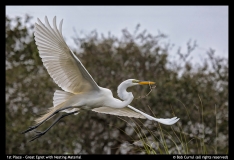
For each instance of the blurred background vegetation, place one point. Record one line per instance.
(196, 93)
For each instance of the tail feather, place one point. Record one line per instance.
(49, 112)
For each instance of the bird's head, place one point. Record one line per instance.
(123, 94)
(134, 82)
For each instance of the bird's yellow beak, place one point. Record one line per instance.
(146, 82)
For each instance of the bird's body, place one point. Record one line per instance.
(94, 99)
(80, 91)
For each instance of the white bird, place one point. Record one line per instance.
(80, 89)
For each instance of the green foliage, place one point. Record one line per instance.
(190, 92)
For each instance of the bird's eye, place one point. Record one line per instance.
(135, 81)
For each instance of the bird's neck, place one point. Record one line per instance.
(118, 103)
(127, 97)
(122, 91)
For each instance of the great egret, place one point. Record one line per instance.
(80, 90)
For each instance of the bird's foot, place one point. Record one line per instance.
(38, 135)
(29, 129)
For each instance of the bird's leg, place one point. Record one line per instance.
(39, 134)
(34, 127)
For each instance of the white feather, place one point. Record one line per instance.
(62, 65)
(60, 97)
(118, 112)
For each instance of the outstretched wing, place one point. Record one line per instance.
(130, 111)
(119, 112)
(166, 121)
(61, 63)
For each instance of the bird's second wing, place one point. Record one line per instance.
(166, 121)
(130, 111)
(61, 63)
(119, 112)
